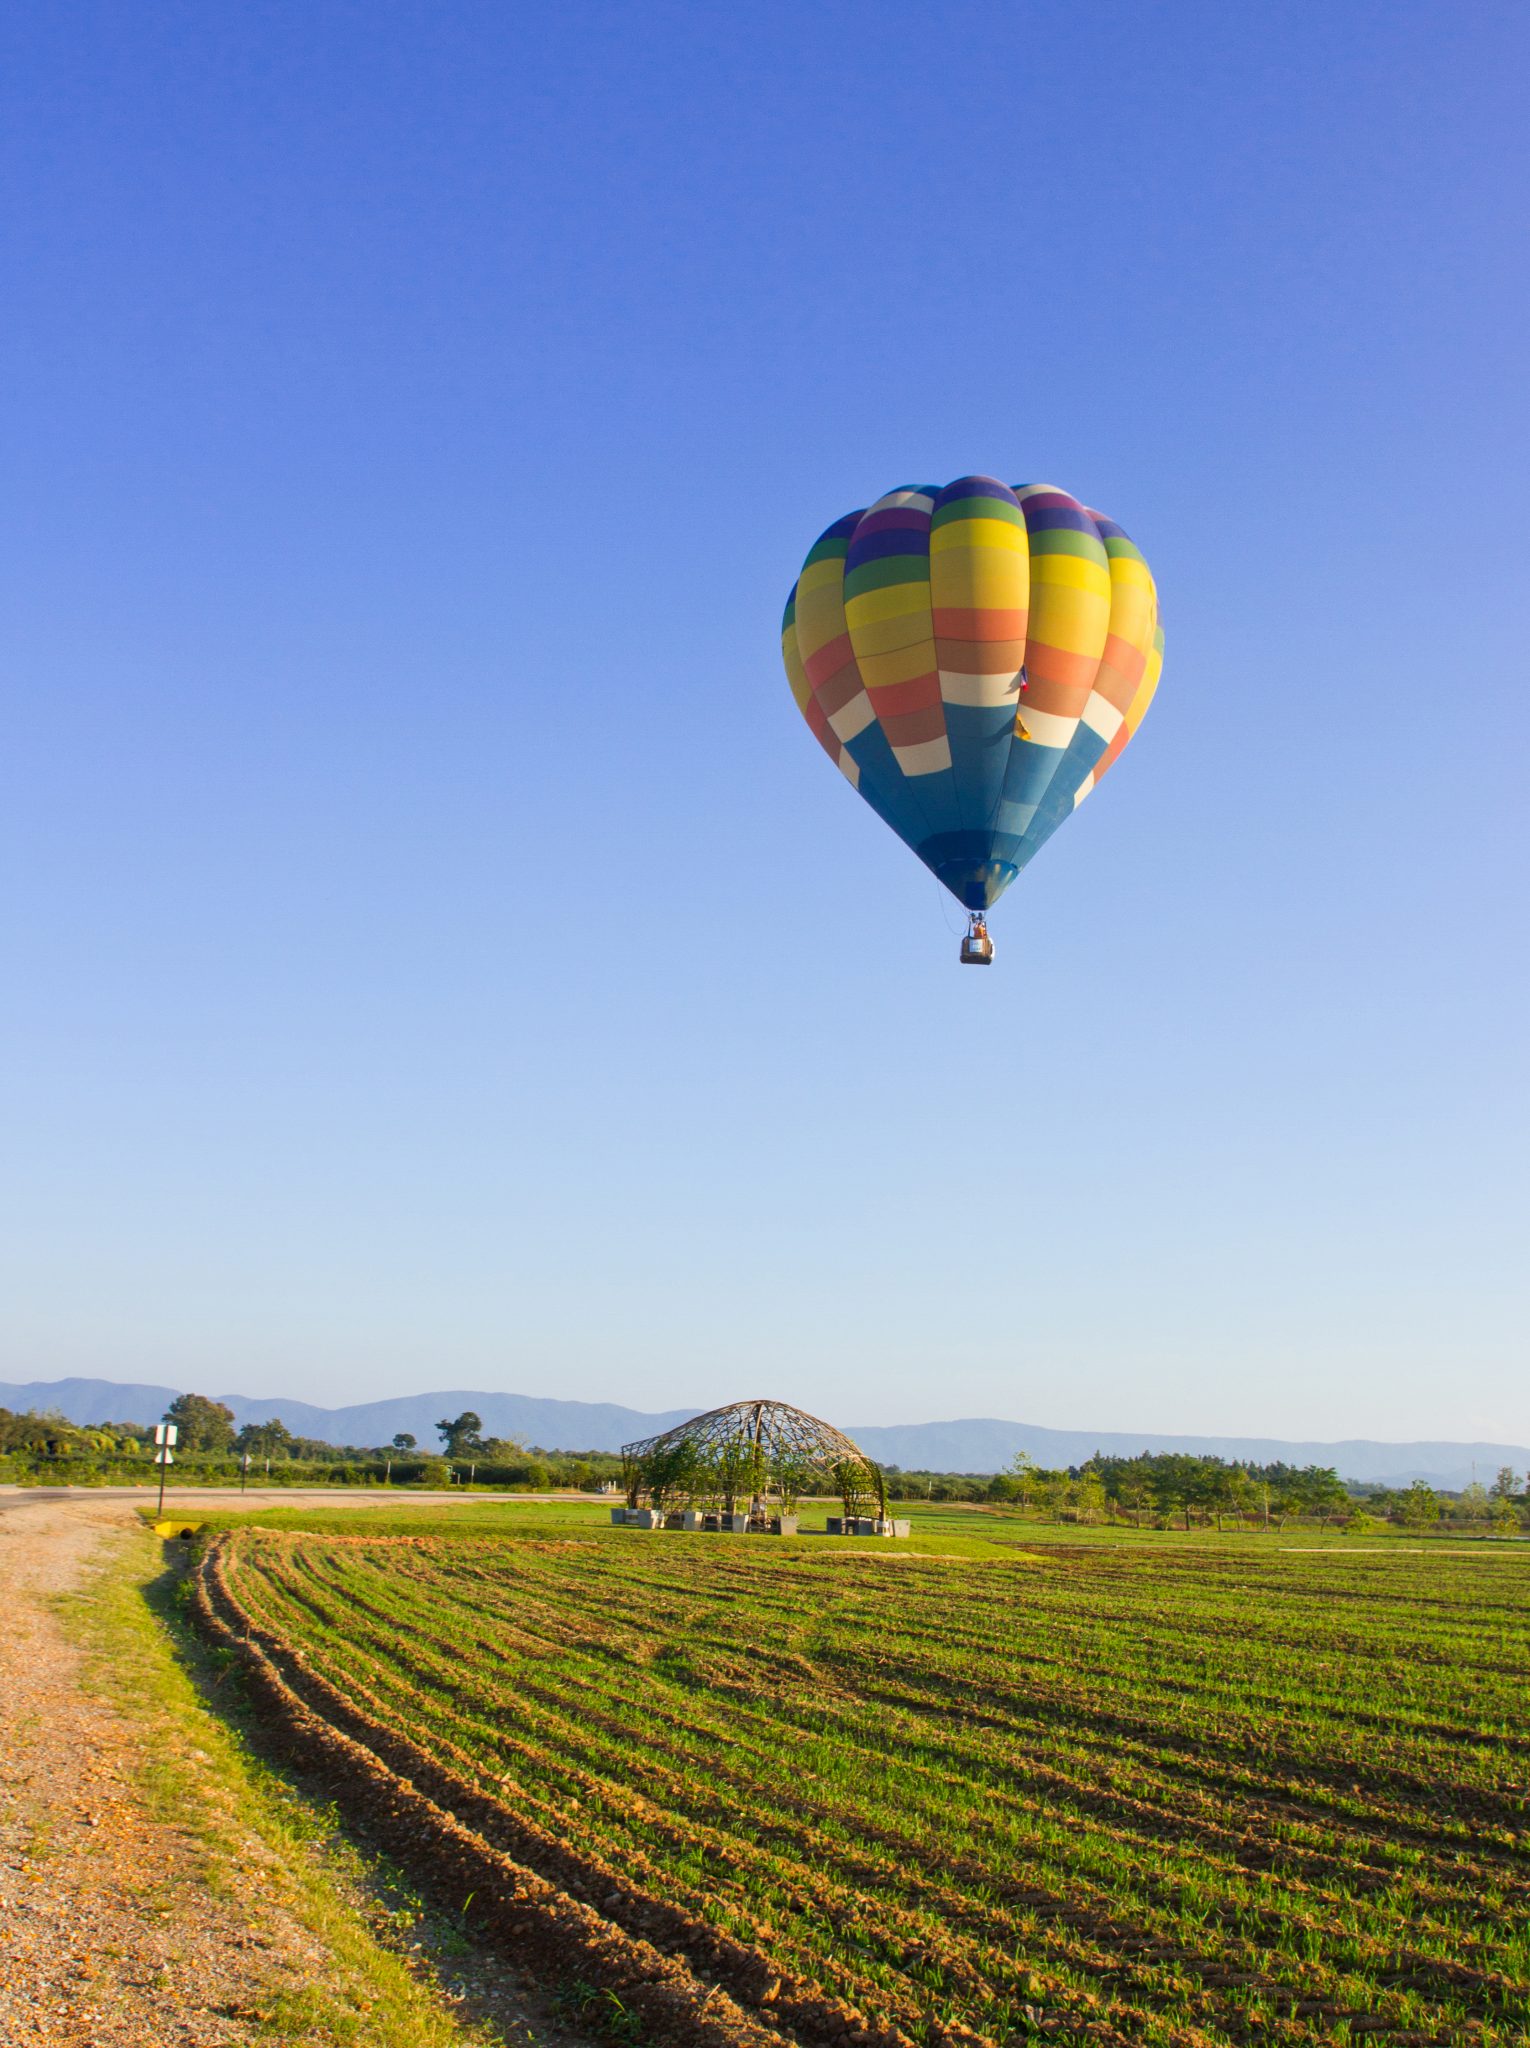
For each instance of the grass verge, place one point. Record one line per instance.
(253, 1830)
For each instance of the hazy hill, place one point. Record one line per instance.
(983, 1444)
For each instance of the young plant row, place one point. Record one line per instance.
(1166, 1799)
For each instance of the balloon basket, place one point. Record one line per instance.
(977, 947)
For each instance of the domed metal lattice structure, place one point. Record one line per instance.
(748, 1454)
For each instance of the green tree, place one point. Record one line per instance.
(674, 1472)
(791, 1474)
(462, 1438)
(1179, 1482)
(1022, 1470)
(403, 1441)
(1474, 1505)
(1421, 1505)
(500, 1450)
(1323, 1492)
(1089, 1495)
(202, 1425)
(1134, 1495)
(734, 1464)
(1506, 1485)
(1227, 1491)
(270, 1439)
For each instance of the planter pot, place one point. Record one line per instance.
(736, 1525)
(783, 1525)
(691, 1519)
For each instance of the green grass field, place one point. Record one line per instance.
(1001, 1778)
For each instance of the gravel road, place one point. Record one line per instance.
(108, 1936)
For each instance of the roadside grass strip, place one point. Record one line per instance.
(250, 1826)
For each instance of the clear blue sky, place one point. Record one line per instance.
(435, 952)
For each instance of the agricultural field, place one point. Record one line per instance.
(1127, 1792)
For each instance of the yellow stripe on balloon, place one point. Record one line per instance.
(796, 674)
(979, 578)
(821, 611)
(1074, 572)
(1075, 621)
(896, 601)
(899, 665)
(890, 636)
(1147, 688)
(958, 534)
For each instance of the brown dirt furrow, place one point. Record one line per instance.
(1244, 1855)
(875, 1881)
(1109, 1962)
(382, 1775)
(626, 1903)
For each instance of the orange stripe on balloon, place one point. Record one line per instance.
(912, 728)
(980, 657)
(836, 691)
(893, 700)
(958, 623)
(828, 659)
(822, 731)
(1054, 665)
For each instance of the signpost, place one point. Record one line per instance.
(165, 1434)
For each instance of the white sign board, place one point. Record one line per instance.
(164, 1455)
(165, 1432)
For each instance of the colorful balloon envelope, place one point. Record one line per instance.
(973, 659)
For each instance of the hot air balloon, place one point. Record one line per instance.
(973, 659)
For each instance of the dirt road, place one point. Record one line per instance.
(121, 1927)
(108, 1934)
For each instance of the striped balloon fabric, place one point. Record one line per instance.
(974, 659)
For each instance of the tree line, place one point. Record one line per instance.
(210, 1446)
(1186, 1490)
(1161, 1488)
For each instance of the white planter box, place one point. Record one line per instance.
(691, 1519)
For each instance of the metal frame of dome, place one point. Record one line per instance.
(772, 1442)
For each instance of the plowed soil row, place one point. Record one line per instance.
(985, 1800)
(546, 1920)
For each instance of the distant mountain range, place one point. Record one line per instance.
(983, 1444)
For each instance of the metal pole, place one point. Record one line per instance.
(159, 1511)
